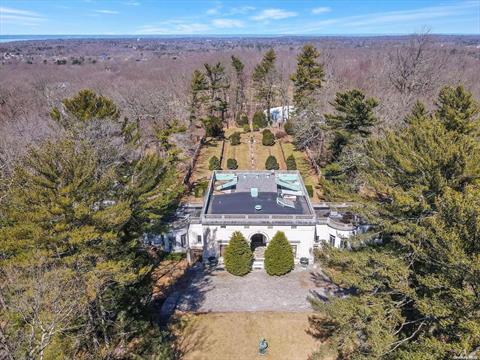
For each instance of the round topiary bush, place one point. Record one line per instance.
(246, 128)
(260, 119)
(272, 163)
(268, 139)
(235, 138)
(214, 163)
(291, 163)
(238, 257)
(232, 164)
(279, 255)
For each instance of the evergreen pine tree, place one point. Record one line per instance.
(412, 294)
(458, 110)
(308, 78)
(238, 257)
(279, 255)
(214, 163)
(271, 163)
(291, 163)
(264, 79)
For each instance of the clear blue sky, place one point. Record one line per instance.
(120, 17)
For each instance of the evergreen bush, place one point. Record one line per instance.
(279, 255)
(214, 163)
(213, 126)
(272, 163)
(235, 138)
(241, 119)
(268, 139)
(238, 257)
(309, 190)
(232, 164)
(288, 127)
(246, 128)
(259, 119)
(291, 163)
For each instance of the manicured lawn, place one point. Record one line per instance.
(210, 148)
(303, 165)
(236, 335)
(263, 152)
(239, 152)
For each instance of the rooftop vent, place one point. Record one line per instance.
(254, 192)
(258, 207)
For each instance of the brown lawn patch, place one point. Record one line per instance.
(263, 152)
(236, 335)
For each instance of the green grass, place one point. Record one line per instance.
(210, 148)
(263, 152)
(240, 152)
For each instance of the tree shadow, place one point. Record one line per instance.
(189, 336)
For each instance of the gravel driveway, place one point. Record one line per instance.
(219, 291)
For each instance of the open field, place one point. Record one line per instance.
(236, 335)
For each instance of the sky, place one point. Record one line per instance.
(260, 17)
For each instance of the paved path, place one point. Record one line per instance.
(218, 291)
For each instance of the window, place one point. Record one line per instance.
(332, 240)
(343, 244)
(269, 227)
(294, 226)
(223, 226)
(222, 249)
(183, 239)
(246, 227)
(317, 239)
(199, 239)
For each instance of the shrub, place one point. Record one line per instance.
(214, 163)
(238, 257)
(255, 127)
(271, 163)
(232, 164)
(291, 163)
(260, 119)
(309, 190)
(235, 138)
(213, 126)
(200, 189)
(278, 255)
(288, 127)
(268, 139)
(241, 119)
(246, 128)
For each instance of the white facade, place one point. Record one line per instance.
(207, 233)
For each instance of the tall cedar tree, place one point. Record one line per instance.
(308, 78)
(279, 255)
(81, 203)
(239, 100)
(265, 78)
(353, 117)
(238, 256)
(414, 295)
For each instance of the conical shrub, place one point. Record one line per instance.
(238, 257)
(279, 255)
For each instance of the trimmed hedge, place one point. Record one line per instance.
(260, 119)
(214, 163)
(272, 163)
(309, 190)
(238, 257)
(268, 139)
(232, 164)
(279, 255)
(235, 138)
(291, 163)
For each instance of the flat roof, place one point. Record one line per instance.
(237, 198)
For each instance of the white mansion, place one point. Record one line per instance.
(258, 204)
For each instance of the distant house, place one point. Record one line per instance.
(280, 114)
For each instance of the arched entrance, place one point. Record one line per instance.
(257, 240)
